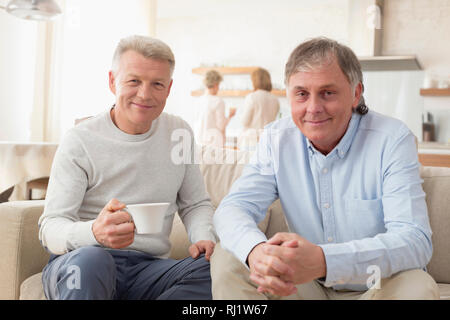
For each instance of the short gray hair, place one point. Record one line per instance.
(212, 77)
(147, 46)
(319, 51)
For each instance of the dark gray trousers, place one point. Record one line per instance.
(98, 273)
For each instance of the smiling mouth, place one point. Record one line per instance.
(141, 105)
(316, 122)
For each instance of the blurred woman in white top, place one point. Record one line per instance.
(213, 120)
(260, 108)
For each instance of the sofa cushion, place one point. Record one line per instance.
(436, 185)
(444, 291)
(31, 288)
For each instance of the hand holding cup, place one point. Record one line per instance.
(113, 227)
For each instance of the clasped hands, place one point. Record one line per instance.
(114, 228)
(284, 261)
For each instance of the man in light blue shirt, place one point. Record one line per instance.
(348, 181)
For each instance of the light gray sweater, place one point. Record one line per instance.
(96, 162)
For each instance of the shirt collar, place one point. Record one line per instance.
(343, 145)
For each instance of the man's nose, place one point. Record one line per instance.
(145, 91)
(315, 104)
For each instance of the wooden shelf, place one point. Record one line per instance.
(435, 92)
(434, 160)
(225, 70)
(237, 93)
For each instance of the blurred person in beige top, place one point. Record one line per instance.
(213, 121)
(260, 108)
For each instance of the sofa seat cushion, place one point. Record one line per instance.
(32, 289)
(444, 291)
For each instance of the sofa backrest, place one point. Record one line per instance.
(436, 184)
(220, 169)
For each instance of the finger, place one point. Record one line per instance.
(114, 205)
(274, 285)
(273, 266)
(209, 250)
(290, 244)
(118, 217)
(281, 237)
(265, 290)
(284, 253)
(194, 251)
(125, 228)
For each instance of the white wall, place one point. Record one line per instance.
(422, 27)
(263, 33)
(91, 32)
(240, 33)
(233, 32)
(17, 70)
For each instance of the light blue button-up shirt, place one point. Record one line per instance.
(363, 203)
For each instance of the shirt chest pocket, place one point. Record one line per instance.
(365, 218)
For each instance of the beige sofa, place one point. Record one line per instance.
(23, 258)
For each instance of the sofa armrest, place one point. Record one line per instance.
(20, 250)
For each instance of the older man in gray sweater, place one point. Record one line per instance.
(120, 157)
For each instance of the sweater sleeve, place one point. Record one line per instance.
(60, 227)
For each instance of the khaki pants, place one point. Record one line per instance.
(230, 281)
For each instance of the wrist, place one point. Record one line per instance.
(322, 265)
(247, 261)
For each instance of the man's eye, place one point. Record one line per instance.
(133, 81)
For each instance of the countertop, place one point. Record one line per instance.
(434, 148)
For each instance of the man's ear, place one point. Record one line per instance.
(357, 95)
(112, 84)
(170, 86)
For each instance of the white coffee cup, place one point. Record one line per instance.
(148, 217)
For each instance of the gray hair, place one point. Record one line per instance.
(146, 46)
(212, 77)
(319, 51)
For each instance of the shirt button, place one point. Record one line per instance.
(324, 170)
(342, 153)
(330, 239)
(326, 205)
